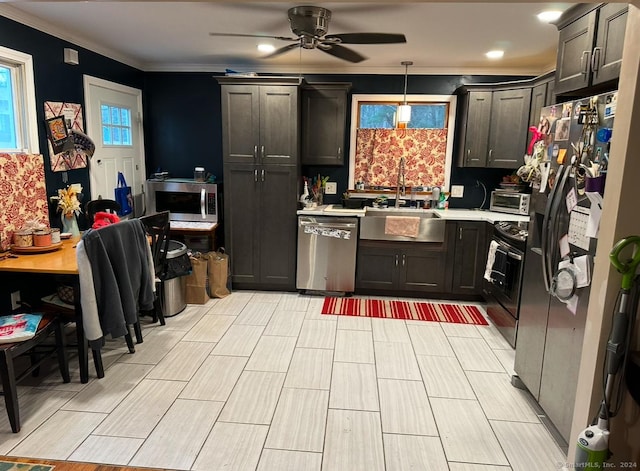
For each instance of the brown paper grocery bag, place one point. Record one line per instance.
(218, 271)
(196, 291)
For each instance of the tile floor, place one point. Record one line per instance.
(263, 381)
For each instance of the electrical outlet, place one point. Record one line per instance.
(331, 188)
(15, 300)
(457, 191)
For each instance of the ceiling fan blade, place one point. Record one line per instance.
(282, 50)
(342, 53)
(240, 35)
(368, 38)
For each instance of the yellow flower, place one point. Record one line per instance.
(68, 203)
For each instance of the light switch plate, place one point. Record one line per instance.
(331, 188)
(457, 191)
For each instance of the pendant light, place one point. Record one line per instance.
(404, 110)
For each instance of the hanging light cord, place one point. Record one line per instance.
(406, 77)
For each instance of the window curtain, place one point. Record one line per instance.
(378, 153)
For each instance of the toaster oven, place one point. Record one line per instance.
(511, 202)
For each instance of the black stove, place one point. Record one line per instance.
(514, 232)
(502, 293)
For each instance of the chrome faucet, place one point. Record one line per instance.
(400, 182)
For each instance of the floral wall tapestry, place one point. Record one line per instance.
(378, 153)
(23, 195)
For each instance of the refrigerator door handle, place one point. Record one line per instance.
(544, 239)
(557, 201)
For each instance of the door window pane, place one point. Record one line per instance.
(116, 126)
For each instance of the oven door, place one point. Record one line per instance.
(502, 294)
(509, 263)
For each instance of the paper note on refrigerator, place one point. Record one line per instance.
(544, 175)
(595, 214)
(578, 222)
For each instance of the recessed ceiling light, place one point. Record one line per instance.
(549, 16)
(266, 47)
(495, 54)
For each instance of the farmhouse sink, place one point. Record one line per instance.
(431, 228)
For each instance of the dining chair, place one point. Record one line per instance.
(94, 206)
(35, 347)
(157, 227)
(116, 281)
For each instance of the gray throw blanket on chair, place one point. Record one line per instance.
(120, 268)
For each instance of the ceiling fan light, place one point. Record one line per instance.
(497, 54)
(404, 114)
(266, 48)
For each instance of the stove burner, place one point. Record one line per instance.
(514, 230)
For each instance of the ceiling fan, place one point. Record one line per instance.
(310, 24)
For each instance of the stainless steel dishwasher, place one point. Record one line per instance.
(327, 253)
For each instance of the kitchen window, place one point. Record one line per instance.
(18, 121)
(377, 144)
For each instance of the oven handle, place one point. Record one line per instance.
(508, 248)
(514, 256)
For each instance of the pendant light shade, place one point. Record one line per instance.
(403, 114)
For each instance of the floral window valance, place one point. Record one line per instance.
(378, 153)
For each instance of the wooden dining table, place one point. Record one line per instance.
(61, 261)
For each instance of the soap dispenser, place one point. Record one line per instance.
(305, 193)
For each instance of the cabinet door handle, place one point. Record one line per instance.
(339, 152)
(468, 155)
(460, 233)
(262, 152)
(255, 152)
(404, 260)
(490, 154)
(255, 175)
(262, 175)
(595, 59)
(584, 64)
(396, 260)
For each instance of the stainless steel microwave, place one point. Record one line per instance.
(185, 199)
(510, 202)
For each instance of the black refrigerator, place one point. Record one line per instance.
(565, 208)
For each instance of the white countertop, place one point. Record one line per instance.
(330, 210)
(447, 214)
(479, 215)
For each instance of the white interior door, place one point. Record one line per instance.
(114, 122)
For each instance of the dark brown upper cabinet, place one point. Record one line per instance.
(260, 123)
(324, 122)
(590, 46)
(492, 125)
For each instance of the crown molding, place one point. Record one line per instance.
(39, 24)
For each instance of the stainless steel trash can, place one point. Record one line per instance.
(175, 288)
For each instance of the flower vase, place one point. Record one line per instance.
(70, 225)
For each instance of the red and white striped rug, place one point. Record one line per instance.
(410, 310)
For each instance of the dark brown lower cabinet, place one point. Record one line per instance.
(402, 266)
(454, 267)
(470, 256)
(260, 225)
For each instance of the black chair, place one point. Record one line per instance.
(157, 227)
(32, 346)
(94, 206)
